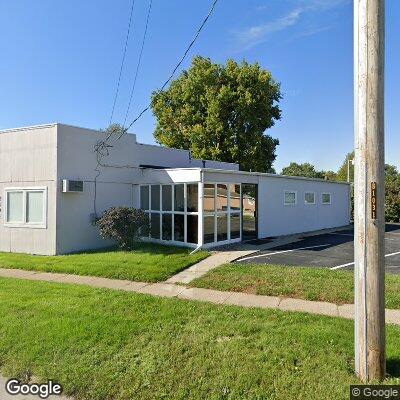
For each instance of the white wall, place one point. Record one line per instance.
(276, 219)
(28, 159)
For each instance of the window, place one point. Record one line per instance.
(167, 197)
(309, 198)
(290, 198)
(222, 197)
(192, 197)
(15, 207)
(172, 211)
(179, 204)
(209, 228)
(144, 197)
(326, 198)
(155, 197)
(192, 228)
(26, 207)
(209, 197)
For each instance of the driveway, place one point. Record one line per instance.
(332, 250)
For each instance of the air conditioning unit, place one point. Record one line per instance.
(69, 186)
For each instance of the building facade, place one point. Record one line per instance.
(190, 202)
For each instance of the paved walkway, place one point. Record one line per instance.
(233, 252)
(164, 289)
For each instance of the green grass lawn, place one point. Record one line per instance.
(148, 262)
(104, 344)
(298, 282)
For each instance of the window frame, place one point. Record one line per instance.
(307, 203)
(171, 212)
(295, 198)
(322, 199)
(24, 223)
(218, 213)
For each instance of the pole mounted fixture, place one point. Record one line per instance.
(369, 190)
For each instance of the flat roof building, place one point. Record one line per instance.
(53, 184)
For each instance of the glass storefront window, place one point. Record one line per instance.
(235, 226)
(166, 197)
(179, 227)
(179, 202)
(234, 193)
(192, 226)
(209, 197)
(222, 197)
(155, 197)
(192, 197)
(155, 226)
(222, 227)
(167, 226)
(144, 197)
(209, 229)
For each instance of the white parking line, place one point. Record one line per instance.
(352, 263)
(284, 251)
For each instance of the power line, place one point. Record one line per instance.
(177, 65)
(102, 147)
(139, 61)
(123, 61)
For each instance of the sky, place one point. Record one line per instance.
(60, 62)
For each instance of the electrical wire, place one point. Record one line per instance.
(123, 61)
(177, 65)
(139, 61)
(102, 147)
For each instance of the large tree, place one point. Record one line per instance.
(220, 112)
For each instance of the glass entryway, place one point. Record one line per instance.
(249, 211)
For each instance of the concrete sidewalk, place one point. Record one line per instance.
(164, 289)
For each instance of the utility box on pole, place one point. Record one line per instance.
(369, 189)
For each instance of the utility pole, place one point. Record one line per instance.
(369, 193)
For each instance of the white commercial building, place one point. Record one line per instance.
(52, 188)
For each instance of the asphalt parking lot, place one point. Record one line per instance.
(332, 250)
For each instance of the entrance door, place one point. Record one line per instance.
(249, 211)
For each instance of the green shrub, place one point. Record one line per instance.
(124, 225)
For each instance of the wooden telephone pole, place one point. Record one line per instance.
(369, 190)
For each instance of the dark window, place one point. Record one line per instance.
(222, 227)
(192, 223)
(166, 197)
(249, 211)
(235, 226)
(192, 197)
(155, 226)
(179, 198)
(179, 228)
(209, 229)
(145, 231)
(144, 197)
(167, 226)
(209, 197)
(155, 197)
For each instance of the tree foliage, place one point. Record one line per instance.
(220, 112)
(342, 172)
(306, 169)
(123, 224)
(392, 194)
